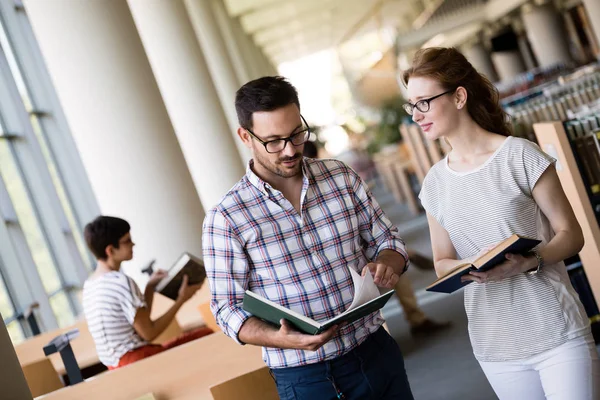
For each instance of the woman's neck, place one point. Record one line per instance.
(470, 140)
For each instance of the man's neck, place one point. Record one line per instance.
(284, 185)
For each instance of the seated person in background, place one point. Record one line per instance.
(117, 313)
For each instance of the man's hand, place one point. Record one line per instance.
(515, 264)
(156, 277)
(187, 291)
(383, 275)
(292, 339)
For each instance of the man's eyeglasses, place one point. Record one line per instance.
(423, 104)
(277, 145)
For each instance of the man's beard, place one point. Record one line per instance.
(279, 169)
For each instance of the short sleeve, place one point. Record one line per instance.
(428, 195)
(132, 301)
(535, 162)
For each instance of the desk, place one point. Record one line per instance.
(32, 350)
(183, 373)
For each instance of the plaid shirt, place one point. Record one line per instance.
(254, 239)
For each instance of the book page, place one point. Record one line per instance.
(365, 289)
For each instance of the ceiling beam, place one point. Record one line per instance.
(335, 19)
(323, 34)
(497, 9)
(235, 8)
(418, 37)
(284, 12)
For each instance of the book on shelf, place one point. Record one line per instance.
(368, 298)
(186, 264)
(515, 244)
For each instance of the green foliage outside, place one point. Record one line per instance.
(387, 132)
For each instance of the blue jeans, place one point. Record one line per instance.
(373, 370)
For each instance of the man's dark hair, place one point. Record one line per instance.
(263, 94)
(104, 231)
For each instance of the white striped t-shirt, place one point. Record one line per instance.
(110, 303)
(522, 315)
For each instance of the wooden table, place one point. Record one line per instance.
(183, 373)
(32, 350)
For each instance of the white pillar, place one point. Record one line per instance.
(12, 381)
(593, 11)
(225, 23)
(481, 59)
(217, 58)
(206, 139)
(508, 64)
(120, 125)
(247, 49)
(270, 69)
(525, 50)
(546, 34)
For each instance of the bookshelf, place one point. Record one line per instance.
(552, 138)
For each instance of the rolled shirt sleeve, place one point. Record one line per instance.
(133, 301)
(375, 228)
(227, 272)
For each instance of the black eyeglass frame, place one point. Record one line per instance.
(290, 138)
(409, 107)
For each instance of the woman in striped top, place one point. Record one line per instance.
(527, 327)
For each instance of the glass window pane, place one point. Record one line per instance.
(7, 310)
(14, 68)
(60, 190)
(60, 305)
(27, 219)
(6, 306)
(15, 332)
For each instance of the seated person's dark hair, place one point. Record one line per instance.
(264, 94)
(310, 150)
(104, 231)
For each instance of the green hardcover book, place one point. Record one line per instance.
(367, 299)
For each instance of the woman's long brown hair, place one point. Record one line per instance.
(449, 67)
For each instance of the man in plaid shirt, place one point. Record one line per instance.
(290, 230)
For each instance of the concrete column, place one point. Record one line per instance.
(120, 125)
(261, 60)
(187, 88)
(507, 64)
(225, 23)
(593, 11)
(523, 43)
(12, 381)
(546, 34)
(247, 49)
(217, 58)
(525, 50)
(270, 69)
(481, 59)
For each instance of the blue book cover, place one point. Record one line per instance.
(451, 282)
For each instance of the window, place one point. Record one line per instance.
(45, 198)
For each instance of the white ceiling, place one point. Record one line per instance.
(291, 29)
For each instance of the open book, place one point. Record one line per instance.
(367, 299)
(515, 244)
(188, 265)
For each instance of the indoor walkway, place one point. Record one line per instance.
(440, 366)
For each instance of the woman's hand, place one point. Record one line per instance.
(515, 264)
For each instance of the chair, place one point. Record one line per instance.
(255, 385)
